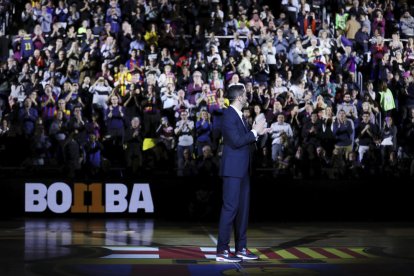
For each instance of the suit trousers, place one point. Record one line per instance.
(234, 212)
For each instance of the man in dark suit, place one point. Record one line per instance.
(234, 169)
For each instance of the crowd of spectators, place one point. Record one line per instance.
(141, 85)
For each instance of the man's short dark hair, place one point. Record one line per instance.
(234, 91)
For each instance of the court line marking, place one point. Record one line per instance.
(131, 248)
(132, 256)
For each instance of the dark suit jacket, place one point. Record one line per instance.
(237, 139)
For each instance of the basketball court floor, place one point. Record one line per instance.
(151, 247)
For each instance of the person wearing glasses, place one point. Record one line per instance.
(234, 169)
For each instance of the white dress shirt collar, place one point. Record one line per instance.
(238, 112)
